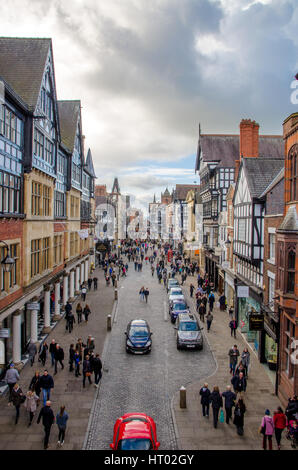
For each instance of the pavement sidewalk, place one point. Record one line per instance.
(196, 432)
(68, 389)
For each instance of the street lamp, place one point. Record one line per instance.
(7, 263)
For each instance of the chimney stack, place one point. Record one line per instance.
(249, 138)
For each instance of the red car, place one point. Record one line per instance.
(135, 431)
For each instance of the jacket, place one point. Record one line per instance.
(32, 349)
(86, 366)
(12, 376)
(61, 420)
(46, 381)
(245, 358)
(267, 421)
(35, 384)
(234, 356)
(230, 398)
(47, 416)
(16, 396)
(279, 420)
(59, 354)
(216, 400)
(52, 347)
(97, 364)
(31, 402)
(233, 324)
(239, 384)
(239, 415)
(205, 394)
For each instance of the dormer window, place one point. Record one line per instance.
(293, 158)
(291, 271)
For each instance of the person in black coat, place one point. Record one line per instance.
(17, 399)
(97, 367)
(46, 383)
(216, 401)
(230, 398)
(205, 394)
(71, 357)
(59, 356)
(240, 409)
(35, 384)
(48, 418)
(87, 370)
(239, 384)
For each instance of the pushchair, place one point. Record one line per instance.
(292, 433)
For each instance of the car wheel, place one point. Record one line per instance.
(178, 347)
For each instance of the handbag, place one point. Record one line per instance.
(88, 374)
(221, 416)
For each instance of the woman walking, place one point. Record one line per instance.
(17, 399)
(216, 401)
(79, 312)
(245, 359)
(31, 404)
(86, 312)
(267, 428)
(142, 293)
(280, 422)
(35, 384)
(239, 411)
(61, 420)
(43, 351)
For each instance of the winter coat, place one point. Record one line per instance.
(245, 358)
(16, 396)
(59, 354)
(233, 324)
(267, 421)
(46, 382)
(52, 347)
(209, 317)
(68, 308)
(279, 420)
(239, 416)
(11, 376)
(47, 416)
(61, 420)
(32, 349)
(86, 366)
(230, 398)
(239, 384)
(97, 364)
(234, 354)
(35, 384)
(216, 400)
(205, 394)
(31, 402)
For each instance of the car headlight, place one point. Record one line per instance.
(148, 343)
(129, 343)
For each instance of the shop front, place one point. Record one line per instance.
(247, 305)
(229, 290)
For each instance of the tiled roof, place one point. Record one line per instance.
(22, 64)
(260, 172)
(89, 165)
(69, 112)
(225, 148)
(181, 190)
(290, 222)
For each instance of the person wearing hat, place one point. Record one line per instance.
(267, 429)
(11, 378)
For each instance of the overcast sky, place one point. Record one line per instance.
(147, 72)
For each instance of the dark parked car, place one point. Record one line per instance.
(138, 337)
(189, 334)
(177, 307)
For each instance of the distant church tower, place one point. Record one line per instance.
(166, 198)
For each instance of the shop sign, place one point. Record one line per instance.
(256, 322)
(33, 306)
(4, 333)
(243, 291)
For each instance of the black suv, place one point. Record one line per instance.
(138, 337)
(189, 334)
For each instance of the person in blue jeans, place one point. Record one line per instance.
(61, 420)
(233, 354)
(46, 383)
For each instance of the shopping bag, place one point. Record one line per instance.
(221, 416)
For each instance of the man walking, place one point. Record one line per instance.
(59, 356)
(230, 398)
(209, 320)
(48, 418)
(52, 351)
(233, 354)
(205, 394)
(95, 283)
(32, 350)
(46, 382)
(239, 384)
(233, 325)
(97, 367)
(11, 378)
(146, 293)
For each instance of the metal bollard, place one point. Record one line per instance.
(116, 294)
(109, 322)
(182, 397)
(116, 284)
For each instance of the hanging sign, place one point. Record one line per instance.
(33, 306)
(83, 233)
(242, 291)
(4, 333)
(256, 322)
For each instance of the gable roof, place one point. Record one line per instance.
(181, 190)
(69, 112)
(260, 172)
(89, 168)
(116, 187)
(225, 148)
(22, 64)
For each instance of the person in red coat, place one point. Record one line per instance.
(280, 422)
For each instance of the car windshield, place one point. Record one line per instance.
(176, 292)
(135, 444)
(138, 331)
(180, 307)
(188, 326)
